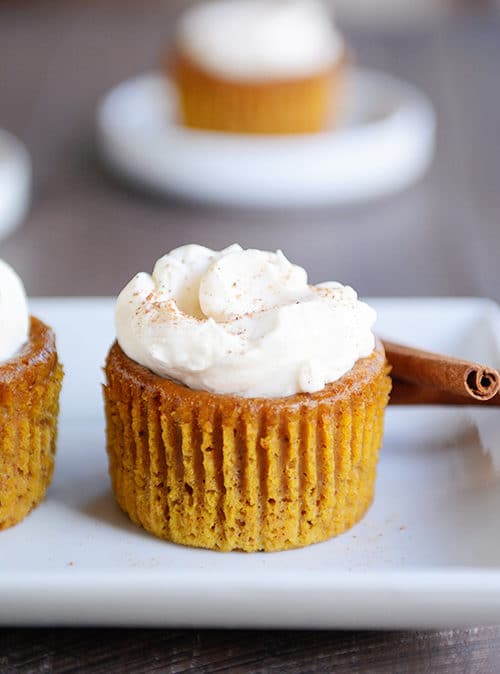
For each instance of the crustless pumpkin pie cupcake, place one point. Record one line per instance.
(244, 407)
(258, 66)
(30, 383)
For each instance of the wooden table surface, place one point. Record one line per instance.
(86, 234)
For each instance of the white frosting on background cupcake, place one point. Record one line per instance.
(260, 39)
(14, 315)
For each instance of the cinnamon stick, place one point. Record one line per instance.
(404, 393)
(423, 377)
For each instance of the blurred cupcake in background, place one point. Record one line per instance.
(258, 66)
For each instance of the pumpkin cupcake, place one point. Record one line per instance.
(244, 407)
(258, 66)
(30, 383)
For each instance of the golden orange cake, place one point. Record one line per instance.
(305, 105)
(258, 67)
(203, 450)
(232, 473)
(30, 383)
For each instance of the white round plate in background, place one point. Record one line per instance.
(15, 182)
(384, 143)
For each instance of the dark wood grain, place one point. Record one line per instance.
(86, 234)
(474, 651)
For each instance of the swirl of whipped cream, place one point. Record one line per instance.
(241, 322)
(14, 315)
(260, 39)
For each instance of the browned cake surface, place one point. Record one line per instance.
(30, 385)
(286, 107)
(232, 473)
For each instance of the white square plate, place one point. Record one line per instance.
(426, 555)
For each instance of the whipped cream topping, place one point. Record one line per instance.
(242, 322)
(14, 315)
(260, 39)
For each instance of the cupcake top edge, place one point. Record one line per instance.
(241, 322)
(14, 314)
(260, 40)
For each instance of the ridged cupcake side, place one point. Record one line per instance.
(302, 105)
(30, 385)
(230, 473)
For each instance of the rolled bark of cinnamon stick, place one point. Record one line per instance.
(404, 393)
(423, 377)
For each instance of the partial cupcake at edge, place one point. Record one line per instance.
(30, 383)
(258, 66)
(244, 407)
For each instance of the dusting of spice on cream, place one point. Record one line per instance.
(241, 322)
